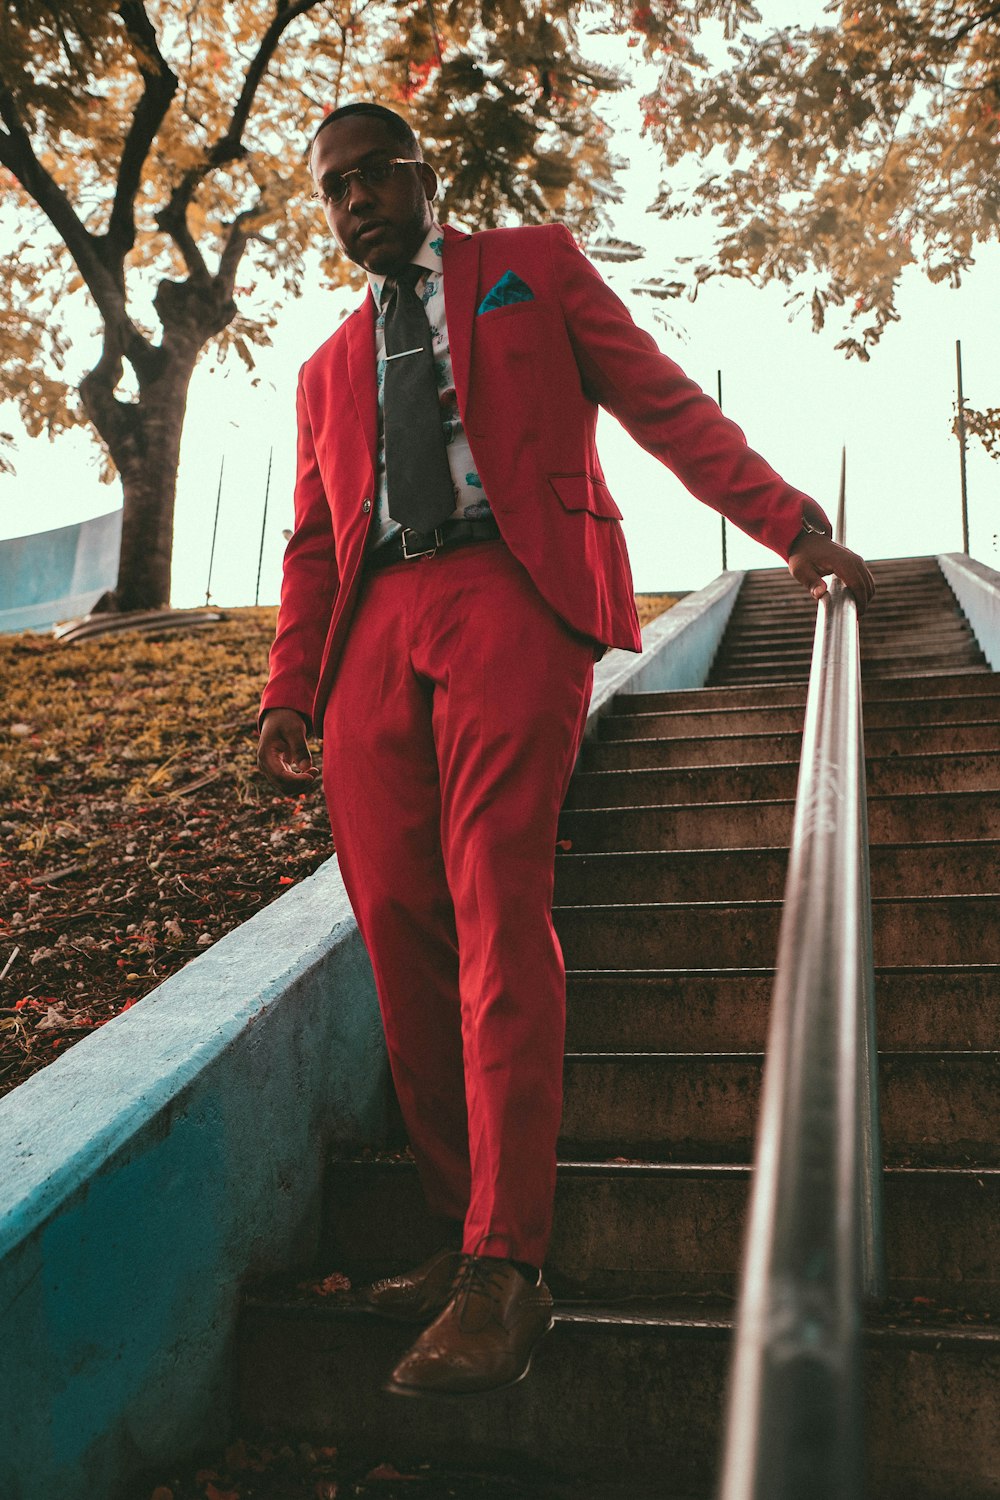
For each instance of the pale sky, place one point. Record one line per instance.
(797, 400)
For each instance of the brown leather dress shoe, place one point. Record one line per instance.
(416, 1296)
(483, 1340)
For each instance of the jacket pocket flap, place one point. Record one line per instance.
(583, 492)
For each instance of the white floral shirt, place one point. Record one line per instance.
(471, 503)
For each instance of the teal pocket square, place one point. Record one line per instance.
(509, 288)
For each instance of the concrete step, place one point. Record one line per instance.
(936, 1107)
(315, 1372)
(978, 684)
(757, 591)
(762, 675)
(766, 779)
(723, 934)
(743, 824)
(750, 650)
(735, 749)
(940, 868)
(902, 666)
(743, 782)
(888, 596)
(887, 775)
(883, 709)
(886, 575)
(712, 1010)
(766, 668)
(873, 675)
(975, 672)
(756, 645)
(908, 567)
(752, 654)
(765, 678)
(881, 567)
(921, 608)
(631, 1226)
(711, 750)
(926, 604)
(764, 635)
(887, 593)
(635, 1227)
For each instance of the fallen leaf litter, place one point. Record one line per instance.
(135, 829)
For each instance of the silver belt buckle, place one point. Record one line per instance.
(427, 551)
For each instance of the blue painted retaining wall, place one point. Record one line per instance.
(977, 589)
(56, 575)
(155, 1167)
(179, 1152)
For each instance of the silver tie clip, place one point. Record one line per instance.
(404, 352)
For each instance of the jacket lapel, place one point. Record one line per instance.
(360, 331)
(460, 258)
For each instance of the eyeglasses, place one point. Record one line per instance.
(337, 185)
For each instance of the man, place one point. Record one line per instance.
(456, 567)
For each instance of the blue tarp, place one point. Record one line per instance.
(56, 575)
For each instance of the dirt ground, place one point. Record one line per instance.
(135, 829)
(262, 1471)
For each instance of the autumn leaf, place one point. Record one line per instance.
(329, 1286)
(240, 1456)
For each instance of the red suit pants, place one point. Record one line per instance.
(448, 743)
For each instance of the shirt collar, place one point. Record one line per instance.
(428, 256)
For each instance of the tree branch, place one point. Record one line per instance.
(160, 85)
(118, 422)
(18, 156)
(284, 15)
(988, 15)
(240, 232)
(172, 219)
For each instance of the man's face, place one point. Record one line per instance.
(380, 227)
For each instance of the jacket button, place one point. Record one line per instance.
(366, 506)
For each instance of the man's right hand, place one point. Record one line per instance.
(283, 754)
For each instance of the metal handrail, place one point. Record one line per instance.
(814, 1247)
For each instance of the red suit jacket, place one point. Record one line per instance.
(529, 377)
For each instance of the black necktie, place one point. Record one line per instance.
(419, 485)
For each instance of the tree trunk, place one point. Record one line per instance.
(149, 484)
(144, 436)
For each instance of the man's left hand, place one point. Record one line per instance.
(812, 555)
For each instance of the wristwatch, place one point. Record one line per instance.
(808, 529)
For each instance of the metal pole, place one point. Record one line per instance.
(718, 384)
(211, 555)
(871, 1215)
(961, 448)
(263, 524)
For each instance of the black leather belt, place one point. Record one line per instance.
(407, 546)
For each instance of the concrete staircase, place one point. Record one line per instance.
(914, 627)
(668, 900)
